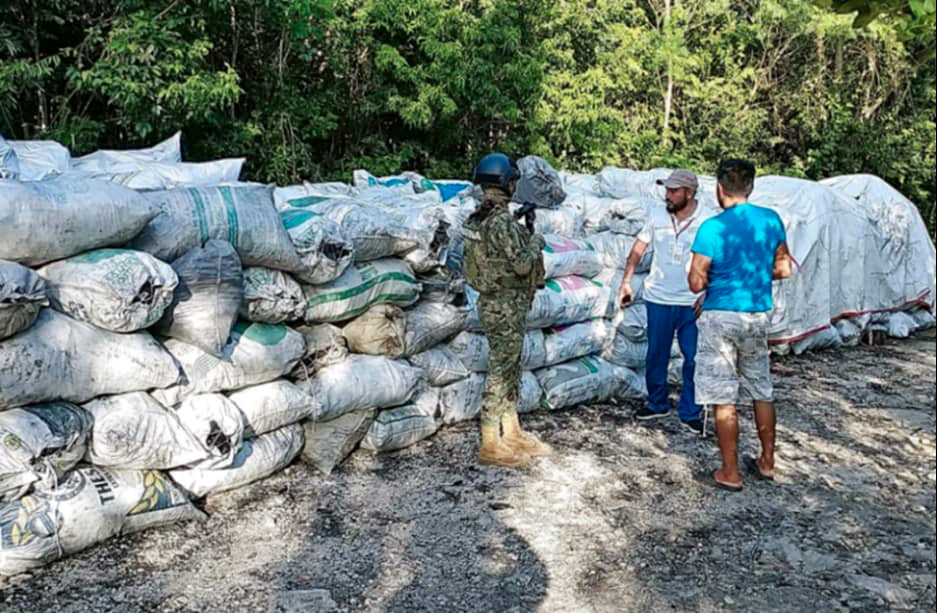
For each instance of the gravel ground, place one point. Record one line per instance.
(622, 518)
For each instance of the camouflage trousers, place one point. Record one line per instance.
(503, 318)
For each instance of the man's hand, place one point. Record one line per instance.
(698, 305)
(625, 294)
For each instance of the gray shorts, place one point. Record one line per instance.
(733, 364)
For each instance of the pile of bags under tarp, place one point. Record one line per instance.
(167, 332)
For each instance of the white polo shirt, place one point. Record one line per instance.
(671, 241)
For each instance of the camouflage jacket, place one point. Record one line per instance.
(499, 252)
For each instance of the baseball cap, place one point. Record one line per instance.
(680, 178)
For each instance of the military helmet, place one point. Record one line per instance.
(496, 169)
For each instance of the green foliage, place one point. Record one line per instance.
(310, 89)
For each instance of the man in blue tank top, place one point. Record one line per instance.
(736, 255)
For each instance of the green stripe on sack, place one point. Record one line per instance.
(379, 299)
(200, 220)
(295, 217)
(590, 365)
(359, 289)
(231, 209)
(306, 201)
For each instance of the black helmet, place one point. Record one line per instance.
(496, 169)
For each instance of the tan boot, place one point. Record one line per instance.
(517, 439)
(494, 452)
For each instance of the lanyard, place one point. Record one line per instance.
(678, 231)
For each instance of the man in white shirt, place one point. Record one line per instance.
(670, 231)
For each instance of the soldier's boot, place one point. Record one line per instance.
(525, 442)
(494, 452)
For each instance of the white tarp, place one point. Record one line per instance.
(149, 175)
(40, 159)
(102, 160)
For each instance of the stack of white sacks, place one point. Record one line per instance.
(167, 332)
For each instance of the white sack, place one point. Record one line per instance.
(403, 426)
(59, 358)
(243, 216)
(22, 295)
(578, 381)
(441, 366)
(473, 350)
(49, 220)
(40, 443)
(256, 459)
(431, 323)
(626, 352)
(271, 296)
(321, 243)
(90, 506)
(325, 346)
(363, 382)
(152, 175)
(374, 233)
(120, 290)
(539, 183)
(135, 431)
(206, 301)
(270, 406)
(381, 330)
(327, 443)
(564, 256)
(361, 286)
(567, 342)
(255, 353)
(569, 300)
(462, 400)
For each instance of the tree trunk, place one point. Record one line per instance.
(668, 95)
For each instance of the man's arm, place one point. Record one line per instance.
(699, 273)
(626, 292)
(782, 262)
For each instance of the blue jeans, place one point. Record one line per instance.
(662, 322)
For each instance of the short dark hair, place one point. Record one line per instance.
(737, 177)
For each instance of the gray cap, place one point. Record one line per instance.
(680, 178)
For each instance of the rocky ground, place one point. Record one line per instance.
(623, 518)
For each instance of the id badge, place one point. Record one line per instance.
(677, 254)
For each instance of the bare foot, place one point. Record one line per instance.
(727, 481)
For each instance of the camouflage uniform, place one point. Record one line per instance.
(504, 262)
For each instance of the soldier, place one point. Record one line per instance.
(504, 263)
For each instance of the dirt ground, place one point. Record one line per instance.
(622, 518)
